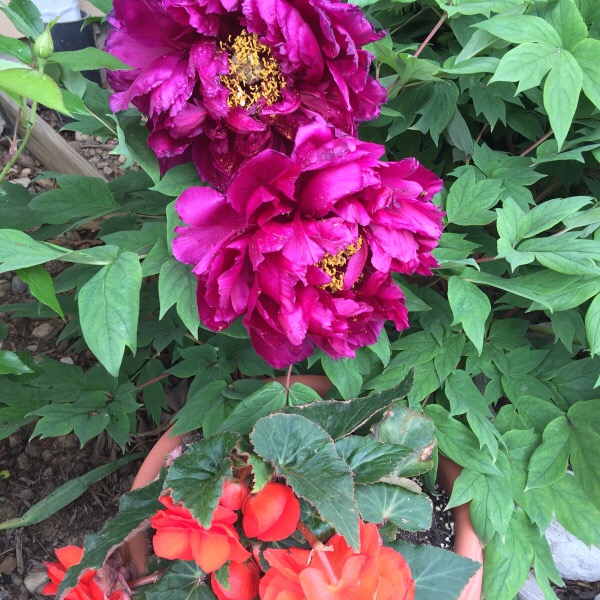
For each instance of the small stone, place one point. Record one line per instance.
(23, 461)
(107, 171)
(33, 451)
(122, 159)
(18, 286)
(25, 172)
(4, 285)
(102, 164)
(67, 360)
(81, 137)
(24, 181)
(16, 579)
(8, 565)
(42, 330)
(597, 597)
(4, 595)
(14, 441)
(46, 455)
(45, 183)
(32, 348)
(26, 494)
(95, 159)
(34, 580)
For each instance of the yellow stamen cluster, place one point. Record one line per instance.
(253, 72)
(333, 265)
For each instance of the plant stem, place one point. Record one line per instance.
(29, 128)
(431, 34)
(13, 144)
(311, 538)
(147, 579)
(536, 144)
(151, 381)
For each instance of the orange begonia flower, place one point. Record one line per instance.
(86, 588)
(272, 514)
(338, 572)
(180, 536)
(243, 582)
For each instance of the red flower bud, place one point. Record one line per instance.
(234, 494)
(243, 582)
(272, 514)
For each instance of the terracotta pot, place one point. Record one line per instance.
(136, 549)
(466, 542)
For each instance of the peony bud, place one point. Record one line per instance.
(272, 514)
(243, 582)
(44, 45)
(234, 494)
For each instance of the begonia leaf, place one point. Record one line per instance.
(183, 580)
(437, 573)
(134, 509)
(196, 477)
(305, 455)
(341, 418)
(411, 430)
(368, 459)
(382, 502)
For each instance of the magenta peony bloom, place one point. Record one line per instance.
(222, 80)
(303, 246)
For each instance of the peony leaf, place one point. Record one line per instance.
(305, 455)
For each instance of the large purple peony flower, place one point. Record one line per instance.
(303, 246)
(222, 80)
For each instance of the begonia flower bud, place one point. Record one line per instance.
(243, 582)
(272, 514)
(234, 494)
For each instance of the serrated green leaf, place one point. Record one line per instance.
(300, 394)
(438, 110)
(549, 461)
(134, 508)
(183, 580)
(305, 455)
(446, 362)
(471, 307)
(412, 430)
(41, 286)
(197, 404)
(109, 310)
(383, 502)
(196, 477)
(133, 144)
(342, 418)
(369, 460)
(437, 573)
(16, 48)
(268, 399)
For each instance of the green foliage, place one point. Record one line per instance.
(503, 103)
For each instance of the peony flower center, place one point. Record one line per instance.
(335, 265)
(254, 74)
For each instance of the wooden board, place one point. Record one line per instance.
(47, 146)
